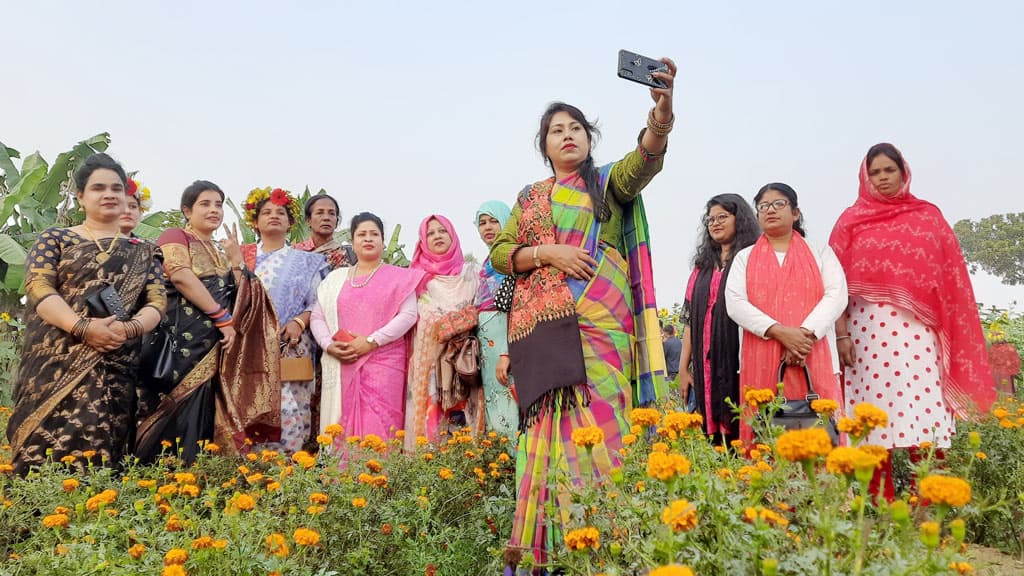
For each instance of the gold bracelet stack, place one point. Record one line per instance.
(300, 322)
(80, 327)
(132, 328)
(659, 128)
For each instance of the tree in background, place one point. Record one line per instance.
(995, 244)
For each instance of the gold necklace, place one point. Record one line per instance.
(103, 255)
(213, 253)
(352, 276)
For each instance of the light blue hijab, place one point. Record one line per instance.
(495, 209)
(490, 280)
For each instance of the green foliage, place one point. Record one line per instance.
(995, 244)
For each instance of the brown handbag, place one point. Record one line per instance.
(458, 369)
(295, 369)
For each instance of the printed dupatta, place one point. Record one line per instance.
(546, 298)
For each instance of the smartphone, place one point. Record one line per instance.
(343, 335)
(640, 69)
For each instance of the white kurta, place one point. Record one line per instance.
(898, 369)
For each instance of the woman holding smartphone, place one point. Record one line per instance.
(360, 320)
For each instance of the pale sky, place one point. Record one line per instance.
(411, 108)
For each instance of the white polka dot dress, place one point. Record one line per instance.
(897, 369)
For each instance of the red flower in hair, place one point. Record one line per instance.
(279, 197)
(132, 187)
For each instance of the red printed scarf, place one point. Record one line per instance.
(787, 293)
(900, 250)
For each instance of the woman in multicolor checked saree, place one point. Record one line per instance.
(583, 330)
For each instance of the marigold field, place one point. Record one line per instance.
(678, 505)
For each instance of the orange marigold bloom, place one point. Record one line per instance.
(666, 466)
(660, 447)
(806, 444)
(587, 436)
(333, 429)
(386, 529)
(680, 516)
(55, 521)
(374, 466)
(69, 459)
(105, 497)
(245, 502)
(173, 570)
(69, 484)
(211, 447)
(948, 490)
(184, 478)
(583, 538)
(824, 406)
(175, 556)
(273, 486)
(373, 442)
(203, 542)
(173, 524)
(672, 570)
(644, 417)
(445, 473)
(870, 416)
(277, 545)
(314, 509)
(359, 502)
(961, 567)
(136, 551)
(167, 490)
(306, 537)
(846, 460)
(324, 439)
(6, 468)
(680, 422)
(190, 490)
(318, 498)
(757, 396)
(146, 484)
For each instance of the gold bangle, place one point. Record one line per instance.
(660, 128)
(299, 321)
(536, 257)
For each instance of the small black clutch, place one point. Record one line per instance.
(106, 302)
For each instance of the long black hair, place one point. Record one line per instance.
(790, 194)
(587, 170)
(709, 252)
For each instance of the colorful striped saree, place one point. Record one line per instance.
(583, 352)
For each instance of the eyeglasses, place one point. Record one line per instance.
(720, 219)
(778, 205)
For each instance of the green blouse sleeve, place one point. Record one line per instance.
(636, 169)
(506, 244)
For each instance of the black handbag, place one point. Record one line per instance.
(503, 297)
(158, 350)
(106, 302)
(797, 414)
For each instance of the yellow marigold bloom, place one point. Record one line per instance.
(55, 521)
(948, 490)
(870, 416)
(680, 516)
(806, 444)
(146, 484)
(318, 498)
(824, 406)
(69, 484)
(981, 456)
(245, 502)
(680, 422)
(68, 459)
(757, 396)
(671, 570)
(660, 447)
(167, 490)
(724, 473)
(373, 442)
(1000, 413)
(202, 543)
(629, 439)
(136, 551)
(175, 556)
(211, 447)
(666, 466)
(314, 510)
(359, 502)
(850, 426)
(583, 538)
(644, 417)
(273, 486)
(190, 490)
(166, 443)
(588, 436)
(333, 429)
(374, 466)
(62, 510)
(277, 545)
(445, 473)
(880, 452)
(766, 515)
(306, 537)
(961, 567)
(846, 460)
(184, 478)
(6, 468)
(173, 570)
(245, 471)
(254, 478)
(504, 457)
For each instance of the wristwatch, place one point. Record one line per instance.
(371, 341)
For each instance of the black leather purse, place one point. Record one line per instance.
(106, 302)
(796, 413)
(158, 350)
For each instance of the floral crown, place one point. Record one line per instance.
(276, 196)
(141, 193)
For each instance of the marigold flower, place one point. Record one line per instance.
(184, 478)
(764, 515)
(55, 521)
(106, 497)
(202, 543)
(374, 466)
(245, 502)
(324, 439)
(583, 538)
(445, 473)
(136, 551)
(314, 509)
(62, 510)
(1000, 413)
(273, 486)
(680, 516)
(277, 545)
(373, 442)
(671, 570)
(69, 484)
(846, 460)
(146, 484)
(6, 468)
(167, 490)
(981, 456)
(503, 457)
(644, 417)
(173, 524)
(69, 459)
(850, 426)
(173, 570)
(805, 444)
(587, 436)
(948, 490)
(254, 478)
(680, 422)
(961, 567)
(870, 416)
(175, 556)
(386, 529)
(660, 447)
(359, 502)
(318, 498)
(824, 406)
(211, 447)
(166, 443)
(757, 396)
(333, 429)
(190, 490)
(307, 462)
(929, 534)
(306, 537)
(664, 467)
